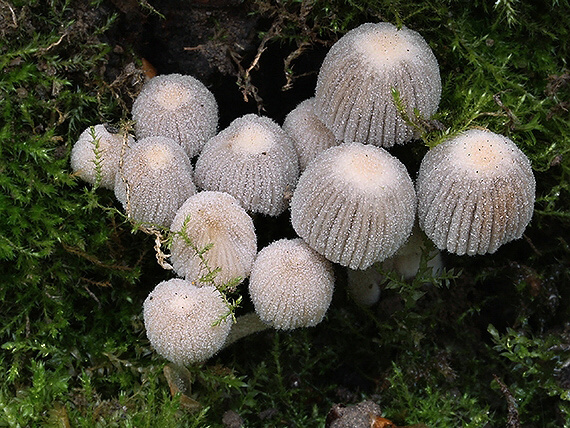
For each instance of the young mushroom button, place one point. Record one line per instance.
(184, 323)
(291, 285)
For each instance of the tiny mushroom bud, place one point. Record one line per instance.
(475, 193)
(364, 285)
(355, 204)
(309, 134)
(154, 181)
(291, 285)
(185, 324)
(96, 155)
(253, 160)
(179, 107)
(354, 88)
(216, 219)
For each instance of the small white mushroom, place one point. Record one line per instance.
(184, 323)
(154, 181)
(216, 219)
(355, 204)
(253, 160)
(179, 107)
(309, 134)
(475, 193)
(96, 155)
(291, 285)
(354, 97)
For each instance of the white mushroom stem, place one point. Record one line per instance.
(244, 326)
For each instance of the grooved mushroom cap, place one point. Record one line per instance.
(179, 107)
(218, 219)
(98, 152)
(354, 88)
(154, 181)
(355, 204)
(475, 193)
(309, 134)
(253, 160)
(179, 319)
(291, 285)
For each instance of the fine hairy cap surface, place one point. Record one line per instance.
(291, 285)
(476, 192)
(154, 181)
(354, 97)
(354, 204)
(181, 321)
(253, 160)
(309, 134)
(179, 107)
(96, 155)
(216, 219)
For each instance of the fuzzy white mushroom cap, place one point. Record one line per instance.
(475, 193)
(181, 321)
(154, 181)
(291, 285)
(179, 107)
(355, 204)
(216, 219)
(309, 134)
(253, 160)
(354, 88)
(96, 155)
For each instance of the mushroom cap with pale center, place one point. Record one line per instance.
(291, 285)
(96, 155)
(154, 180)
(475, 193)
(216, 219)
(253, 160)
(354, 97)
(179, 107)
(183, 323)
(355, 204)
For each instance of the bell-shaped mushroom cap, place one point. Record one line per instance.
(96, 155)
(355, 204)
(309, 134)
(154, 181)
(183, 323)
(216, 219)
(179, 107)
(354, 88)
(475, 193)
(253, 160)
(291, 285)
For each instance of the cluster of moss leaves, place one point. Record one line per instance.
(485, 344)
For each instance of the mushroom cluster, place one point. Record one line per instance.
(351, 202)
